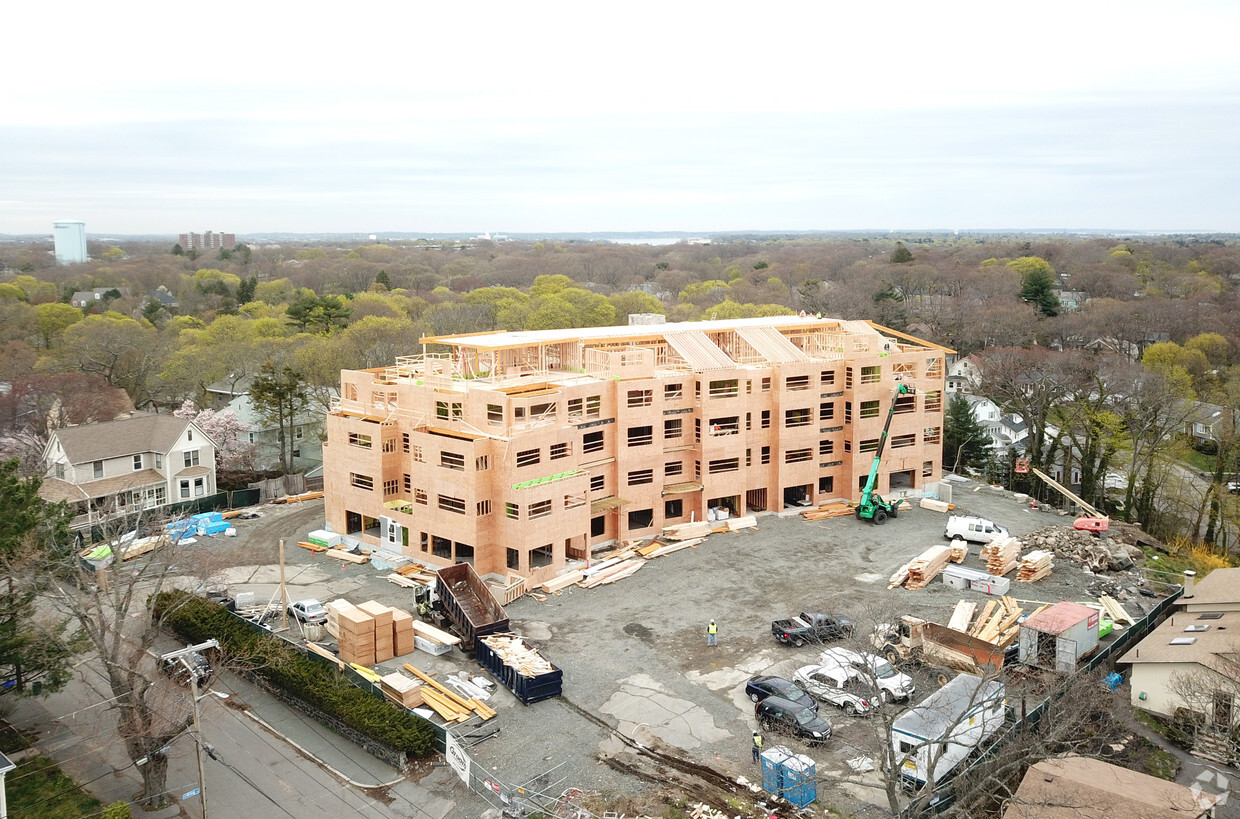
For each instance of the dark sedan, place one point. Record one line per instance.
(763, 686)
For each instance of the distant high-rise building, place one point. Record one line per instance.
(70, 239)
(208, 241)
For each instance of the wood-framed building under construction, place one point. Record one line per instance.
(516, 451)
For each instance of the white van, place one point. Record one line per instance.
(975, 529)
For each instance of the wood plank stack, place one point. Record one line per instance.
(962, 616)
(518, 655)
(356, 637)
(898, 576)
(997, 623)
(612, 573)
(833, 509)
(447, 703)
(926, 566)
(402, 633)
(1003, 557)
(668, 548)
(349, 557)
(334, 608)
(959, 551)
(935, 505)
(1115, 610)
(402, 689)
(1035, 565)
(684, 531)
(384, 642)
(563, 581)
(746, 522)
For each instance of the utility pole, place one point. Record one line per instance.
(283, 592)
(181, 654)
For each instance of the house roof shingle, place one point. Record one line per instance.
(116, 439)
(1212, 648)
(1219, 586)
(55, 490)
(1084, 788)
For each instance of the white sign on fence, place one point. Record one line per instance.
(458, 760)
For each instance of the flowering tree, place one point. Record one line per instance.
(234, 452)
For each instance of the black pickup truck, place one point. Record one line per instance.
(811, 627)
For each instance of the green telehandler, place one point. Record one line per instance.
(871, 506)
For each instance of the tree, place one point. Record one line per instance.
(53, 319)
(279, 396)
(225, 429)
(125, 352)
(965, 441)
(177, 250)
(901, 255)
(382, 278)
(318, 313)
(246, 290)
(32, 644)
(1037, 282)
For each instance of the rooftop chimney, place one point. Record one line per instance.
(1190, 577)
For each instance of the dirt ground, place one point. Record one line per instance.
(650, 715)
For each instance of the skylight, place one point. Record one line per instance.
(1183, 641)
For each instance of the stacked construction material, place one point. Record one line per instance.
(333, 609)
(935, 505)
(449, 705)
(402, 689)
(382, 615)
(322, 537)
(610, 574)
(926, 566)
(959, 551)
(432, 640)
(685, 531)
(1035, 566)
(831, 509)
(356, 637)
(1002, 555)
(402, 633)
(998, 622)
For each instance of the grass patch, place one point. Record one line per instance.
(1152, 722)
(1200, 461)
(39, 788)
(1162, 764)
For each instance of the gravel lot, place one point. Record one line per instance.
(636, 665)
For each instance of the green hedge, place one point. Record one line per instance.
(195, 619)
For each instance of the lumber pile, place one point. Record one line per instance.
(382, 617)
(668, 548)
(447, 703)
(746, 522)
(416, 572)
(402, 581)
(563, 581)
(402, 632)
(1002, 555)
(357, 636)
(333, 608)
(898, 576)
(1115, 610)
(834, 509)
(1035, 565)
(430, 634)
(312, 547)
(341, 554)
(962, 615)
(935, 505)
(685, 531)
(304, 496)
(959, 551)
(315, 648)
(612, 573)
(926, 566)
(518, 655)
(997, 622)
(403, 690)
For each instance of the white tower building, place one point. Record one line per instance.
(70, 241)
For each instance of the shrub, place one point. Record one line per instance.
(195, 619)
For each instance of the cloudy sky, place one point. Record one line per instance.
(147, 117)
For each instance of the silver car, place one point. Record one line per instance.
(843, 687)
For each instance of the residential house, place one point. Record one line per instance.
(964, 375)
(163, 296)
(1206, 423)
(1007, 431)
(264, 436)
(119, 468)
(1078, 787)
(223, 392)
(85, 298)
(1190, 664)
(518, 451)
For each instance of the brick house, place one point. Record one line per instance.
(516, 451)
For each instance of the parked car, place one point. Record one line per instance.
(893, 686)
(778, 715)
(811, 627)
(308, 611)
(186, 667)
(762, 686)
(843, 686)
(972, 528)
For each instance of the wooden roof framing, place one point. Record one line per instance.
(699, 351)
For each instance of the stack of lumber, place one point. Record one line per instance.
(611, 573)
(1035, 566)
(959, 551)
(334, 608)
(1003, 557)
(926, 566)
(402, 633)
(563, 581)
(432, 640)
(668, 548)
(997, 622)
(833, 509)
(935, 505)
(341, 554)
(304, 496)
(357, 636)
(449, 705)
(685, 531)
(382, 616)
(416, 572)
(313, 547)
(744, 522)
(1115, 610)
(518, 655)
(402, 581)
(402, 689)
(322, 652)
(899, 576)
(962, 616)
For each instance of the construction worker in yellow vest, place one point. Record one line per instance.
(757, 746)
(712, 634)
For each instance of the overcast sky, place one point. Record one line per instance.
(147, 117)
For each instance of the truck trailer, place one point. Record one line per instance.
(946, 728)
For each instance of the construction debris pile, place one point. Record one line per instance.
(996, 624)
(1084, 549)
